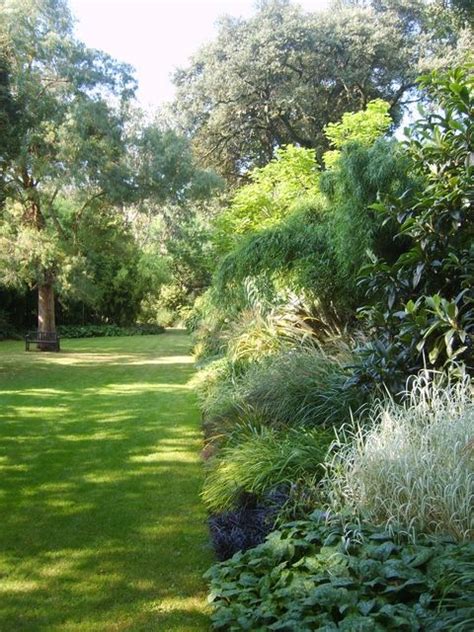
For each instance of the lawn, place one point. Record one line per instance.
(102, 527)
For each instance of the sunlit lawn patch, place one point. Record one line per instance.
(101, 524)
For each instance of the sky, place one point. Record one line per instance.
(156, 36)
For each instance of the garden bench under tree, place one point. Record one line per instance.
(46, 340)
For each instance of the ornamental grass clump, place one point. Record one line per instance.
(261, 332)
(217, 387)
(301, 386)
(304, 386)
(262, 459)
(411, 465)
(210, 376)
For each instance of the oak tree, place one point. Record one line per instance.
(281, 76)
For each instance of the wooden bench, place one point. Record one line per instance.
(46, 340)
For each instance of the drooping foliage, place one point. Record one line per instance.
(311, 231)
(293, 253)
(263, 460)
(356, 180)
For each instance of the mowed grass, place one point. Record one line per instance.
(101, 524)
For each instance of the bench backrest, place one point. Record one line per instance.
(44, 336)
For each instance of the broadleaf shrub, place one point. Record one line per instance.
(420, 306)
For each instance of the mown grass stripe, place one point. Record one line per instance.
(102, 528)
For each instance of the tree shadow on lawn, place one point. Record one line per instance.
(102, 527)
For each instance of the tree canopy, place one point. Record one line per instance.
(282, 75)
(80, 150)
(293, 107)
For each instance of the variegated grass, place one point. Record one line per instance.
(410, 464)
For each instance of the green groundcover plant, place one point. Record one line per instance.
(323, 574)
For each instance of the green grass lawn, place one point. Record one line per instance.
(101, 525)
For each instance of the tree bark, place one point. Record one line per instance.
(46, 315)
(35, 218)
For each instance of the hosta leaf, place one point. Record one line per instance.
(395, 588)
(366, 606)
(383, 551)
(396, 569)
(357, 623)
(328, 595)
(416, 556)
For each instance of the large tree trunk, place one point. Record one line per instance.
(46, 315)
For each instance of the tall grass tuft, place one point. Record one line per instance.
(261, 460)
(412, 464)
(263, 330)
(303, 386)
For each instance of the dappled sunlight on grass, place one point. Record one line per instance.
(34, 392)
(105, 359)
(156, 457)
(95, 436)
(117, 389)
(106, 477)
(102, 527)
(15, 586)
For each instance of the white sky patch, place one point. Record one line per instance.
(157, 36)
